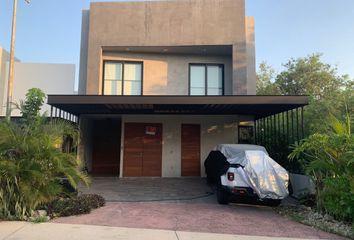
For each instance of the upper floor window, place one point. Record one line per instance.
(122, 78)
(206, 79)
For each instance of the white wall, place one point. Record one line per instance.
(51, 78)
(4, 74)
(214, 130)
(4, 56)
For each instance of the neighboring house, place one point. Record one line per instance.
(51, 78)
(162, 82)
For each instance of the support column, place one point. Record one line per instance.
(302, 123)
(239, 69)
(292, 127)
(287, 128)
(255, 131)
(297, 125)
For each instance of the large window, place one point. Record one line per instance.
(206, 79)
(122, 78)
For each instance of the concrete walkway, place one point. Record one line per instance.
(54, 231)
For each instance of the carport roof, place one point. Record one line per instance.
(257, 106)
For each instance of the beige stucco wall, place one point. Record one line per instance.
(168, 74)
(214, 130)
(167, 23)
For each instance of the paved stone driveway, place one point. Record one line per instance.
(200, 213)
(150, 189)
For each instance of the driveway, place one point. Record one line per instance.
(149, 189)
(184, 205)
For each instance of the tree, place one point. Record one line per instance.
(32, 105)
(328, 91)
(309, 76)
(265, 80)
(302, 76)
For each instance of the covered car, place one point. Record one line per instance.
(247, 171)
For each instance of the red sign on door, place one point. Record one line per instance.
(150, 130)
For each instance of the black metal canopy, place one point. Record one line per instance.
(257, 106)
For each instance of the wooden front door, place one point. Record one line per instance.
(190, 150)
(142, 150)
(106, 147)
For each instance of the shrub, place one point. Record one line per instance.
(83, 204)
(328, 159)
(92, 200)
(32, 160)
(68, 206)
(337, 198)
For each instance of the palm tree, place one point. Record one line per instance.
(32, 159)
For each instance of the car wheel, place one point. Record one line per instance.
(221, 195)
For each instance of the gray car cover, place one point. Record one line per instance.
(266, 177)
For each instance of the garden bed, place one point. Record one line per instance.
(74, 205)
(309, 216)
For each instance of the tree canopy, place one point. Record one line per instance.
(328, 91)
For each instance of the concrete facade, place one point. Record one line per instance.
(251, 56)
(214, 130)
(50, 78)
(167, 24)
(168, 74)
(166, 37)
(85, 23)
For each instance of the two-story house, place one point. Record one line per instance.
(162, 82)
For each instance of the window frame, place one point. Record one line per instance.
(205, 65)
(123, 63)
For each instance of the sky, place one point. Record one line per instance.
(49, 31)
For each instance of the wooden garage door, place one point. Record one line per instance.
(142, 150)
(190, 150)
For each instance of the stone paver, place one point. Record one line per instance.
(148, 189)
(198, 217)
(142, 203)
